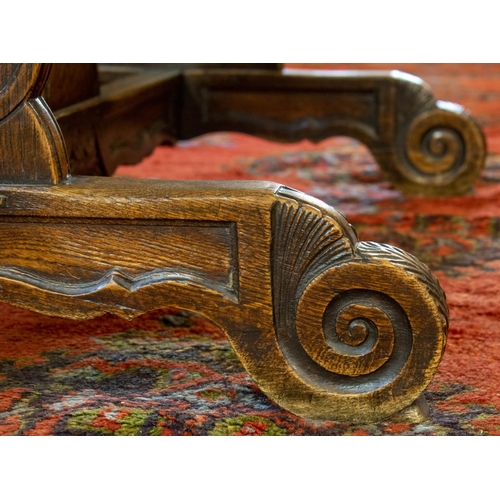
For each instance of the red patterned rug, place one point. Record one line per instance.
(171, 372)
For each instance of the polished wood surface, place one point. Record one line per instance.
(31, 146)
(70, 84)
(328, 326)
(423, 145)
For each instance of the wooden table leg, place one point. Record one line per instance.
(328, 327)
(423, 146)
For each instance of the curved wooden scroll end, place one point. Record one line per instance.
(440, 148)
(32, 148)
(362, 328)
(328, 327)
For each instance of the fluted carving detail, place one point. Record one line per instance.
(312, 243)
(364, 322)
(408, 262)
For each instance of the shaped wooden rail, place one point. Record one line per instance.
(328, 327)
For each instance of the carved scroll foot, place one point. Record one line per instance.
(439, 150)
(328, 327)
(361, 325)
(423, 146)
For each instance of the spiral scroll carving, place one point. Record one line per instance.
(366, 323)
(441, 149)
(411, 265)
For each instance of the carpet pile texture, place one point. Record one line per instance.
(172, 372)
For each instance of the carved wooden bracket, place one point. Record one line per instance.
(329, 327)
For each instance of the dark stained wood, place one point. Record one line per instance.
(71, 83)
(204, 66)
(282, 273)
(423, 146)
(129, 118)
(328, 327)
(202, 252)
(31, 146)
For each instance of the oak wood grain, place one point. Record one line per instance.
(292, 287)
(31, 146)
(424, 146)
(328, 326)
